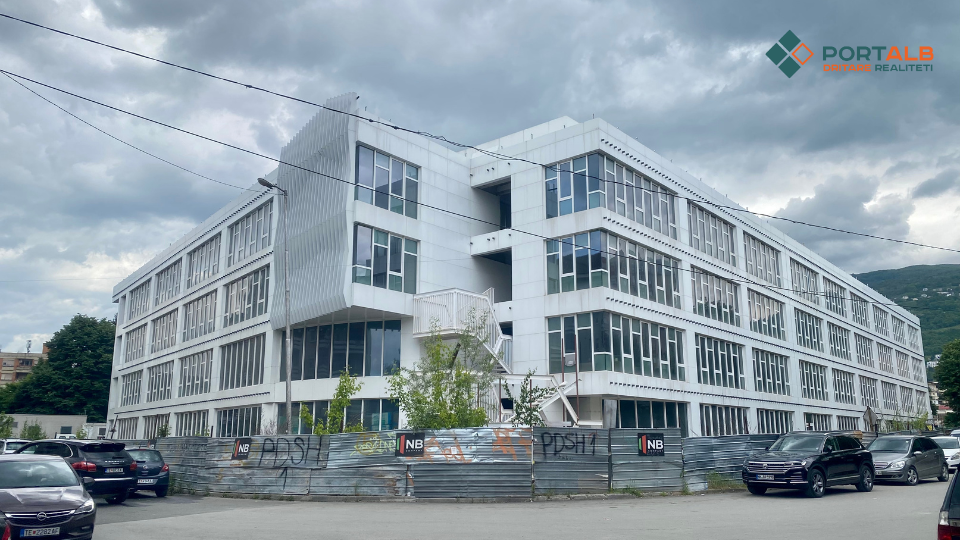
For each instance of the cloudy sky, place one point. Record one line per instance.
(877, 153)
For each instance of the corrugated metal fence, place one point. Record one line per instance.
(461, 463)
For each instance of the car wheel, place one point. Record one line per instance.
(162, 492)
(756, 490)
(912, 477)
(866, 479)
(119, 498)
(815, 484)
(944, 473)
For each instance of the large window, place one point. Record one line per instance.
(923, 405)
(843, 387)
(918, 371)
(906, 400)
(368, 349)
(889, 395)
(250, 234)
(130, 388)
(139, 300)
(195, 373)
(371, 414)
(168, 283)
(813, 381)
(914, 337)
(835, 297)
(712, 235)
(903, 365)
(246, 297)
(817, 422)
(766, 315)
(864, 350)
(860, 310)
(127, 428)
(160, 382)
(805, 282)
(387, 182)
(771, 372)
(152, 425)
(239, 422)
(192, 423)
(603, 341)
(868, 393)
(762, 260)
(596, 181)
(716, 420)
(881, 321)
(719, 363)
(600, 259)
(136, 344)
(643, 414)
(848, 423)
(885, 354)
(384, 260)
(715, 297)
(241, 363)
(809, 330)
(203, 262)
(200, 316)
(774, 422)
(839, 341)
(164, 332)
(899, 331)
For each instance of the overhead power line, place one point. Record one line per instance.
(458, 214)
(490, 153)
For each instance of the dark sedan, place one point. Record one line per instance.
(154, 474)
(43, 497)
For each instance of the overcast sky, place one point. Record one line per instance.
(878, 153)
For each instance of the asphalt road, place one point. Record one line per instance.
(890, 511)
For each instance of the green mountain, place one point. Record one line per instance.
(932, 293)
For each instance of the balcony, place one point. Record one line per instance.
(451, 312)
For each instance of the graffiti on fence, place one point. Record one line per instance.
(506, 441)
(373, 444)
(280, 451)
(564, 445)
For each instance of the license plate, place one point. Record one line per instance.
(764, 477)
(114, 470)
(32, 533)
(146, 481)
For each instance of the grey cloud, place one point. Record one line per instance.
(943, 182)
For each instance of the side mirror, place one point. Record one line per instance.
(917, 453)
(88, 482)
(827, 450)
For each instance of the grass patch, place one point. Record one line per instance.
(719, 482)
(629, 491)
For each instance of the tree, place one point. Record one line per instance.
(526, 411)
(6, 426)
(32, 432)
(75, 377)
(948, 378)
(442, 391)
(335, 422)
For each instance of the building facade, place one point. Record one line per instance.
(16, 366)
(590, 256)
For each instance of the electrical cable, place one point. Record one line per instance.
(463, 145)
(458, 214)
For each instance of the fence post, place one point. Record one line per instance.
(609, 459)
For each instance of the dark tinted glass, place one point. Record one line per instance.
(40, 474)
(890, 444)
(848, 443)
(105, 451)
(151, 456)
(798, 443)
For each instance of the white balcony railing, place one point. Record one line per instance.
(454, 311)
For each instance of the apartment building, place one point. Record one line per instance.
(16, 366)
(592, 259)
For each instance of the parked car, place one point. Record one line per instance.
(41, 496)
(951, 449)
(65, 436)
(908, 459)
(112, 469)
(9, 446)
(154, 474)
(811, 462)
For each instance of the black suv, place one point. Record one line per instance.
(113, 470)
(810, 461)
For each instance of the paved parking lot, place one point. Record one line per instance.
(900, 512)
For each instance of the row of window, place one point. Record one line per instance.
(247, 236)
(367, 349)
(244, 299)
(241, 365)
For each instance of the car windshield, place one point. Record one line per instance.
(799, 443)
(12, 446)
(145, 455)
(36, 474)
(886, 444)
(105, 451)
(947, 442)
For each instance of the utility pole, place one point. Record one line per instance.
(286, 300)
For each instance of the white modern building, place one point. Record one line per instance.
(587, 252)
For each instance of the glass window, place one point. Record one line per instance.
(246, 297)
(241, 363)
(839, 341)
(203, 262)
(199, 316)
(805, 282)
(195, 373)
(168, 283)
(387, 182)
(772, 372)
(712, 235)
(250, 234)
(718, 420)
(858, 307)
(835, 297)
(164, 332)
(766, 315)
(813, 381)
(809, 330)
(139, 300)
(762, 261)
(715, 297)
(383, 260)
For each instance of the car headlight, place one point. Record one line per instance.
(898, 464)
(805, 462)
(87, 507)
(955, 456)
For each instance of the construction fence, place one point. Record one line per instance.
(456, 463)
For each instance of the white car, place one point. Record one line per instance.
(9, 446)
(951, 450)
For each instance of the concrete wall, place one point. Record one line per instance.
(50, 424)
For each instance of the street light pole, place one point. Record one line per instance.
(286, 300)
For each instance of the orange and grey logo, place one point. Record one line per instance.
(650, 444)
(409, 444)
(789, 54)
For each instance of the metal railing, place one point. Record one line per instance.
(453, 311)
